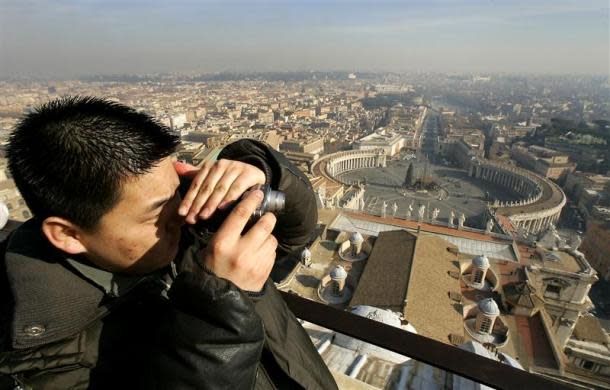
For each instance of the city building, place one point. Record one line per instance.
(389, 141)
(544, 161)
(596, 246)
(311, 146)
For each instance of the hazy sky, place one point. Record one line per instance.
(71, 38)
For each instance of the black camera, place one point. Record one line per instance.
(273, 201)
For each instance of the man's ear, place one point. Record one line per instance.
(63, 235)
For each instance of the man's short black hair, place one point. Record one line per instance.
(70, 156)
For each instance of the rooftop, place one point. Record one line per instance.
(429, 307)
(564, 261)
(466, 241)
(385, 279)
(532, 343)
(588, 328)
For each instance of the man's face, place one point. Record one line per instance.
(141, 233)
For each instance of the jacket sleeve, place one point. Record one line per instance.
(211, 337)
(296, 225)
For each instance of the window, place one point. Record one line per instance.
(485, 325)
(587, 365)
(478, 276)
(336, 288)
(552, 291)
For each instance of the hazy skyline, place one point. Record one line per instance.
(74, 38)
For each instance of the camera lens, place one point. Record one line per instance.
(273, 201)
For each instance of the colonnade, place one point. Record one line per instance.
(541, 202)
(510, 177)
(333, 165)
(536, 225)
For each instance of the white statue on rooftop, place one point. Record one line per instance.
(410, 210)
(384, 207)
(435, 213)
(461, 220)
(421, 211)
(394, 209)
(490, 225)
(452, 218)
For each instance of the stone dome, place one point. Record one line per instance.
(381, 315)
(338, 273)
(480, 262)
(356, 238)
(305, 254)
(489, 306)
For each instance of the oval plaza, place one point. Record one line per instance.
(538, 202)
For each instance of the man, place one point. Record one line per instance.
(108, 286)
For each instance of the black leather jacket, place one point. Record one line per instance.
(63, 328)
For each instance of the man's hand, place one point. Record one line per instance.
(244, 260)
(215, 185)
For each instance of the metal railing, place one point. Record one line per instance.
(446, 357)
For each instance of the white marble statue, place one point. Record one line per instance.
(394, 209)
(490, 225)
(435, 213)
(410, 211)
(452, 218)
(384, 207)
(461, 220)
(421, 212)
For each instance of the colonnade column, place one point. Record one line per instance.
(544, 223)
(532, 225)
(538, 225)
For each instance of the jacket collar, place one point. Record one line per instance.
(114, 285)
(55, 296)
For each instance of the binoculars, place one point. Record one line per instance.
(273, 201)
